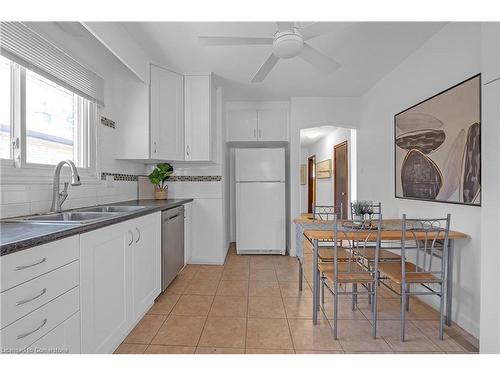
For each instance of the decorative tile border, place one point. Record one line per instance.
(108, 122)
(195, 178)
(120, 176)
(132, 177)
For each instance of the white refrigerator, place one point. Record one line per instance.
(260, 200)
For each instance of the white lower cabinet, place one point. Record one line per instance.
(145, 263)
(120, 278)
(188, 229)
(64, 339)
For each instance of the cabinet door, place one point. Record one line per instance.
(242, 125)
(103, 287)
(187, 231)
(198, 132)
(167, 114)
(273, 124)
(145, 263)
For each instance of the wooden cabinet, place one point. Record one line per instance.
(198, 117)
(257, 124)
(119, 280)
(166, 114)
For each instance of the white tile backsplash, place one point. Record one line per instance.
(17, 200)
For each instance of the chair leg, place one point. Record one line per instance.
(441, 313)
(354, 291)
(322, 289)
(318, 278)
(335, 310)
(403, 312)
(407, 297)
(374, 311)
(301, 274)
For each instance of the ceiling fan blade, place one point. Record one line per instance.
(232, 40)
(285, 26)
(316, 29)
(319, 60)
(265, 68)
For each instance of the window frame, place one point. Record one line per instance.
(17, 169)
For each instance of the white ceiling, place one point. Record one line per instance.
(310, 136)
(367, 51)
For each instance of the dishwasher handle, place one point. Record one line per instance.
(167, 215)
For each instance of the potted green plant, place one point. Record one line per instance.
(158, 178)
(360, 209)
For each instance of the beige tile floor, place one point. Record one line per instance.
(252, 305)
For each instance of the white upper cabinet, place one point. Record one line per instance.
(198, 117)
(267, 121)
(242, 125)
(166, 114)
(273, 124)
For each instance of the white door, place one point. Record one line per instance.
(260, 164)
(273, 124)
(198, 133)
(260, 216)
(103, 287)
(145, 261)
(167, 114)
(242, 125)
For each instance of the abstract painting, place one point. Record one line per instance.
(437, 147)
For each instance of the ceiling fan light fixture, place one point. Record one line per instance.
(287, 44)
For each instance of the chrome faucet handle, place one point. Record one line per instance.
(63, 194)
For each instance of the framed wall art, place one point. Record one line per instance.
(437, 147)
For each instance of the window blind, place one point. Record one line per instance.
(26, 47)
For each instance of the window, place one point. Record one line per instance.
(57, 121)
(5, 107)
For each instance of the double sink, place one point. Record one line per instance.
(78, 216)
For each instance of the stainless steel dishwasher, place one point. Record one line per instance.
(172, 244)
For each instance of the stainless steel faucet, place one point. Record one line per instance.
(58, 198)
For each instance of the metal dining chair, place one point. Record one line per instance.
(348, 270)
(424, 254)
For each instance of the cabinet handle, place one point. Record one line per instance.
(19, 268)
(255, 133)
(138, 234)
(187, 150)
(131, 237)
(260, 133)
(23, 335)
(155, 147)
(22, 302)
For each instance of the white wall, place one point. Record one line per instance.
(323, 149)
(449, 57)
(490, 194)
(309, 113)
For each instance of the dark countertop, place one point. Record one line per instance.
(20, 236)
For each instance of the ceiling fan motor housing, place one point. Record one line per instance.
(287, 44)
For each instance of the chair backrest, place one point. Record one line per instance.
(422, 241)
(375, 210)
(327, 212)
(360, 237)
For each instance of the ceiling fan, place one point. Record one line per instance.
(288, 41)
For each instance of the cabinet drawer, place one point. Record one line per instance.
(24, 332)
(23, 299)
(64, 339)
(30, 263)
